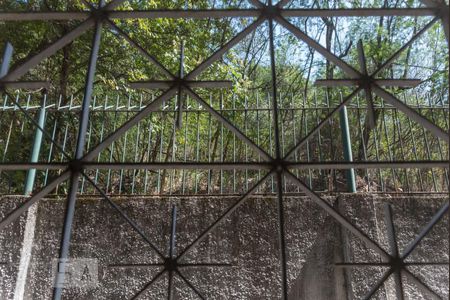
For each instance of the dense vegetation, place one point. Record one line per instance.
(248, 66)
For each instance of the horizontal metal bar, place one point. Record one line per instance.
(26, 166)
(414, 115)
(229, 165)
(213, 13)
(336, 215)
(44, 16)
(398, 82)
(136, 108)
(165, 84)
(33, 85)
(357, 12)
(184, 14)
(370, 165)
(36, 197)
(380, 82)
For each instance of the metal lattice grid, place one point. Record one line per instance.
(276, 164)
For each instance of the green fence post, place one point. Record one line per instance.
(347, 146)
(31, 175)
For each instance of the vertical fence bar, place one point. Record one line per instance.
(347, 147)
(186, 126)
(221, 143)
(31, 174)
(208, 182)
(305, 126)
(363, 144)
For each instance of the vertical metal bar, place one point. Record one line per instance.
(50, 152)
(377, 155)
(102, 130)
(186, 126)
(363, 144)
(174, 145)
(31, 174)
(272, 182)
(234, 143)
(391, 158)
(88, 144)
(347, 147)
(149, 143)
(163, 121)
(402, 151)
(308, 159)
(113, 144)
(136, 147)
(281, 233)
(246, 134)
(294, 134)
(197, 150)
(427, 145)
(221, 143)
(74, 180)
(332, 152)
(438, 140)
(319, 137)
(208, 182)
(258, 141)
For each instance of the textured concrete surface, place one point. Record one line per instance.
(247, 240)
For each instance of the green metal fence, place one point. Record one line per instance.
(203, 139)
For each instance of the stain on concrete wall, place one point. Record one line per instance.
(247, 240)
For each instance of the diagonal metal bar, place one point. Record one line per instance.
(228, 124)
(36, 197)
(36, 124)
(124, 215)
(353, 73)
(336, 215)
(256, 3)
(390, 60)
(394, 101)
(283, 3)
(145, 287)
(75, 175)
(113, 4)
(218, 54)
(319, 48)
(212, 13)
(379, 283)
(321, 124)
(128, 124)
(398, 284)
(225, 215)
(141, 50)
(438, 216)
(50, 50)
(189, 284)
(420, 284)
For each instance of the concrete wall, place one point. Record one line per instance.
(247, 240)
